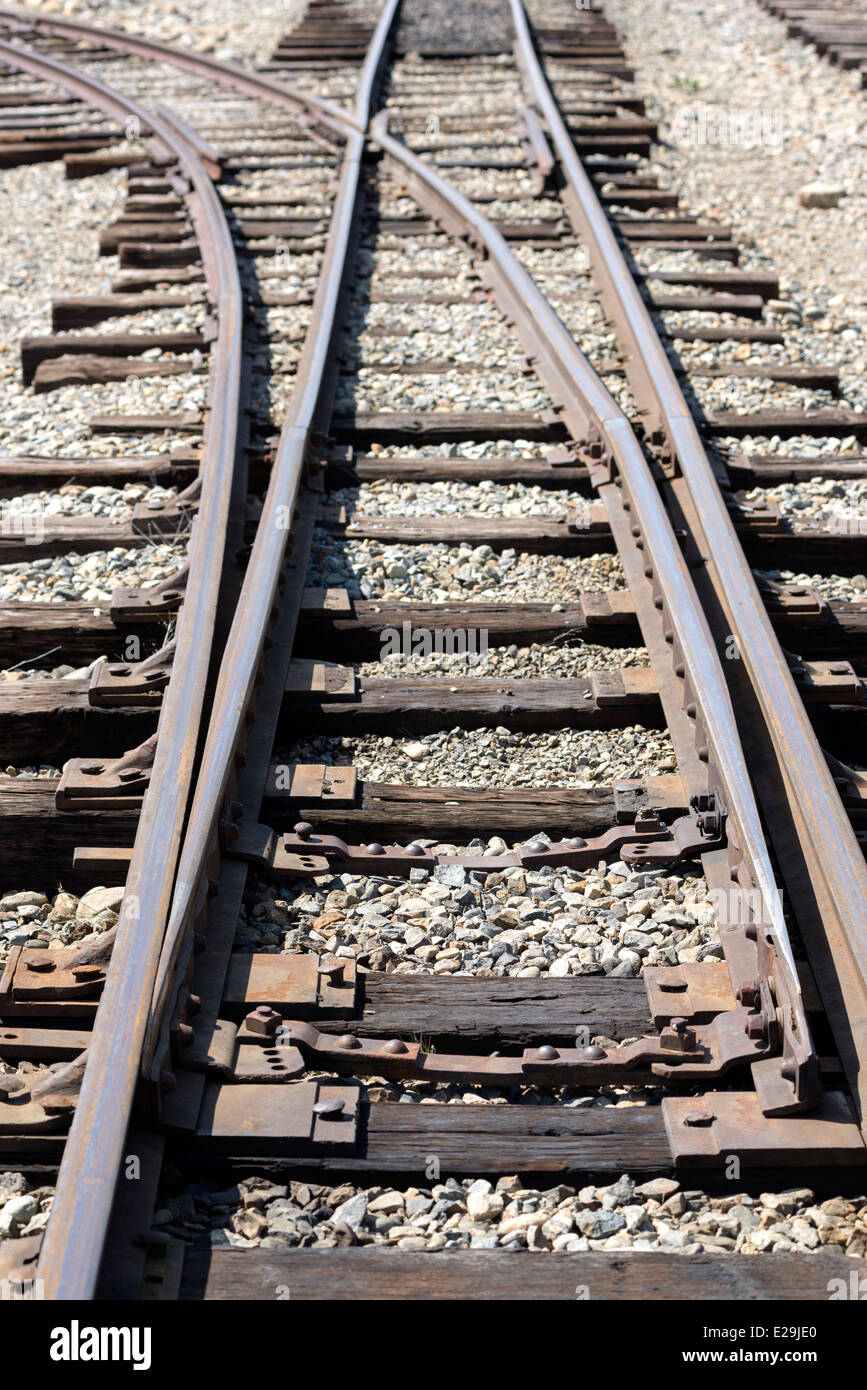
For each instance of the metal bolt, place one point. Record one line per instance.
(86, 972)
(547, 1053)
(686, 1034)
(328, 1109)
(756, 1026)
(9, 1085)
(593, 1053)
(415, 849)
(333, 970)
(536, 847)
(395, 1046)
(304, 830)
(41, 964)
(347, 1041)
(375, 849)
(263, 1020)
(576, 842)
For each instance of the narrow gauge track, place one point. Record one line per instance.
(225, 1039)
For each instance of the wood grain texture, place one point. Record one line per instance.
(484, 1275)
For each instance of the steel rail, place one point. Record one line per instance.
(94, 1148)
(834, 859)
(755, 848)
(259, 595)
(590, 409)
(330, 114)
(141, 971)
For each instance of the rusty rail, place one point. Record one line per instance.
(245, 646)
(617, 462)
(835, 869)
(95, 1146)
(592, 414)
(159, 908)
(332, 117)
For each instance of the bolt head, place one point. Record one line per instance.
(395, 1047)
(348, 1041)
(537, 847)
(547, 1053)
(303, 830)
(328, 1109)
(263, 1020)
(375, 849)
(593, 1053)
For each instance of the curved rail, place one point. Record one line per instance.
(335, 118)
(244, 649)
(71, 1252)
(836, 864)
(591, 412)
(588, 409)
(103, 1109)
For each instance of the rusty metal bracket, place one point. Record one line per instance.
(298, 985)
(706, 1131)
(680, 1053)
(73, 972)
(132, 683)
(320, 680)
(309, 1118)
(86, 785)
(749, 517)
(694, 989)
(306, 854)
(179, 512)
(150, 604)
(46, 1105)
(827, 680)
(795, 602)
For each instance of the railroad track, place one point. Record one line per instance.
(495, 194)
(837, 31)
